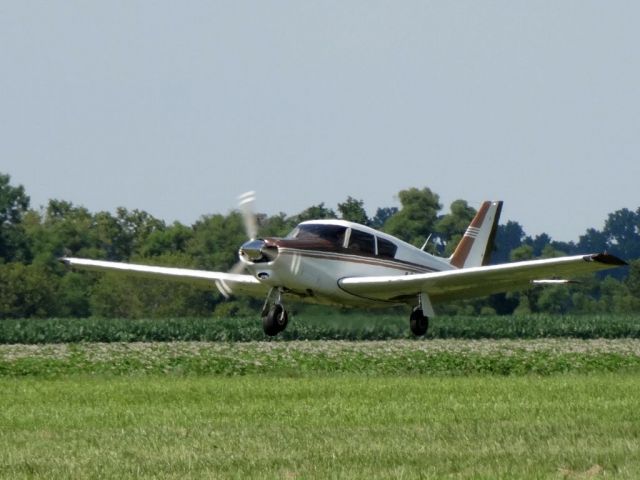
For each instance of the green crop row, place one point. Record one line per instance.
(314, 327)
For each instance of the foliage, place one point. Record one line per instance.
(417, 217)
(13, 205)
(353, 210)
(452, 226)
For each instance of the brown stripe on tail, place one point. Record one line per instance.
(478, 231)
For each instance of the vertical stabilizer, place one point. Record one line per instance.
(476, 245)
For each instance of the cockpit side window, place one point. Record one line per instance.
(333, 234)
(362, 242)
(386, 248)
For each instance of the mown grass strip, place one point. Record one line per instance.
(565, 426)
(397, 357)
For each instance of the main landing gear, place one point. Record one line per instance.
(418, 321)
(274, 316)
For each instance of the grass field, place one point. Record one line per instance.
(550, 408)
(351, 426)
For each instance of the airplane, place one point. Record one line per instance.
(338, 262)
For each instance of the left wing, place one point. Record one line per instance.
(476, 281)
(227, 283)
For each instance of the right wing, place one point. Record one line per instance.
(227, 283)
(472, 282)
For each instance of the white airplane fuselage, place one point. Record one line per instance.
(311, 267)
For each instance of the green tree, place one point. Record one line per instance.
(172, 239)
(508, 237)
(633, 279)
(116, 295)
(74, 294)
(63, 229)
(27, 291)
(353, 210)
(622, 229)
(417, 217)
(135, 226)
(593, 241)
(382, 215)
(215, 242)
(274, 226)
(451, 227)
(554, 299)
(523, 252)
(14, 203)
(315, 212)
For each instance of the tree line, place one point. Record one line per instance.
(33, 283)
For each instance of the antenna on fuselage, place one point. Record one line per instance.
(426, 242)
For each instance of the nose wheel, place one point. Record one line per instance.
(275, 321)
(274, 316)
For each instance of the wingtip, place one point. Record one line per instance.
(607, 259)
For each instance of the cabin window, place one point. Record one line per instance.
(333, 234)
(386, 248)
(362, 242)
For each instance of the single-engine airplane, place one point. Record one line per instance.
(337, 262)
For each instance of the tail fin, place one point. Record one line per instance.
(475, 247)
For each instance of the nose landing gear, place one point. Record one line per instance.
(274, 316)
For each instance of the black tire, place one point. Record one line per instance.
(418, 322)
(275, 320)
(283, 320)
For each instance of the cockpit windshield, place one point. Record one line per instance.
(333, 234)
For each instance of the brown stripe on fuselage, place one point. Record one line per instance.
(464, 247)
(320, 248)
(349, 256)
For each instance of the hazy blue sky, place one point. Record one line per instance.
(178, 107)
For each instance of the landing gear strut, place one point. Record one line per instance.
(274, 316)
(418, 322)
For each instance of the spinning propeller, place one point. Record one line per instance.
(254, 250)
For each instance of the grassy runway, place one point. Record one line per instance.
(346, 426)
(546, 408)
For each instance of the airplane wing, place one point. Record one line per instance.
(476, 281)
(227, 283)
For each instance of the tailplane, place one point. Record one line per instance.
(476, 245)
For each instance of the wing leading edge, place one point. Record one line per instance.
(225, 282)
(476, 281)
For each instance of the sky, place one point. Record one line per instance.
(176, 108)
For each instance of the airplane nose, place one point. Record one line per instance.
(257, 251)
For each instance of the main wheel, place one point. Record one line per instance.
(418, 322)
(275, 320)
